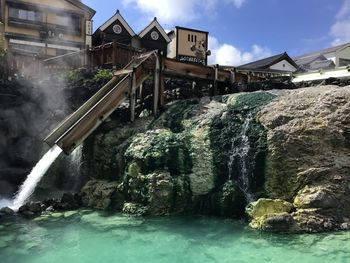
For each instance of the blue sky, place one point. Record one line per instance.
(242, 30)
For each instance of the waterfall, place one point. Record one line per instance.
(240, 154)
(29, 185)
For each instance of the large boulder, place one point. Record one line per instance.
(170, 167)
(102, 195)
(270, 214)
(308, 135)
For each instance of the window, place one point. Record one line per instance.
(69, 22)
(192, 38)
(62, 20)
(23, 14)
(27, 48)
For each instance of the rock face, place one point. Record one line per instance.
(309, 155)
(286, 150)
(185, 162)
(102, 195)
(170, 167)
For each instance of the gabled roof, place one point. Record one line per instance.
(310, 59)
(268, 62)
(153, 24)
(82, 6)
(121, 19)
(324, 64)
(323, 51)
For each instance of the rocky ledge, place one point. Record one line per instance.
(286, 152)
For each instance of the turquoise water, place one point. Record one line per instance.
(91, 237)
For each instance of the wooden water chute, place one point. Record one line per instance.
(79, 125)
(124, 84)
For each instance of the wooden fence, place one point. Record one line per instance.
(111, 55)
(14, 63)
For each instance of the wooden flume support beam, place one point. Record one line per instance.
(162, 84)
(132, 95)
(216, 77)
(156, 85)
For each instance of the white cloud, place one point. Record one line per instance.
(237, 3)
(179, 11)
(226, 54)
(340, 30)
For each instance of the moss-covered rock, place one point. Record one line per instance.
(267, 214)
(266, 206)
(174, 159)
(180, 163)
(159, 149)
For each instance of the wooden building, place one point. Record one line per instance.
(189, 45)
(115, 28)
(45, 28)
(281, 62)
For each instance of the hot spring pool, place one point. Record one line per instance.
(92, 237)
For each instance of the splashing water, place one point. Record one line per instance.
(74, 169)
(29, 185)
(241, 152)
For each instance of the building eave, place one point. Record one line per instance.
(83, 6)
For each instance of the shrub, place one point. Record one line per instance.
(103, 75)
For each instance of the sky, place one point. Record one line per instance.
(241, 31)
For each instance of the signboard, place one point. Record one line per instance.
(89, 28)
(190, 59)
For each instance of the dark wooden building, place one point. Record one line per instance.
(154, 37)
(116, 28)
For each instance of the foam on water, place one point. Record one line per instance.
(29, 185)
